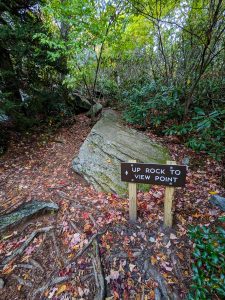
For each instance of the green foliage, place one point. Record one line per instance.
(204, 132)
(162, 60)
(209, 263)
(155, 105)
(151, 104)
(31, 71)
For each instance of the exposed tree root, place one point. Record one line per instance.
(20, 250)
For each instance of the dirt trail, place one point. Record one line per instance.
(36, 165)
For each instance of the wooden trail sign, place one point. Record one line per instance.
(170, 175)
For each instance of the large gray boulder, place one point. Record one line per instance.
(110, 143)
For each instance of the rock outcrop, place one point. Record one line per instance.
(110, 143)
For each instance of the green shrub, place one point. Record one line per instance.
(151, 104)
(208, 279)
(204, 132)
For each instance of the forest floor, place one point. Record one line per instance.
(38, 166)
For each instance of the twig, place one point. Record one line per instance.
(25, 266)
(52, 282)
(36, 264)
(57, 249)
(65, 196)
(57, 280)
(95, 270)
(90, 242)
(86, 277)
(20, 250)
(177, 270)
(93, 220)
(22, 281)
(57, 187)
(75, 227)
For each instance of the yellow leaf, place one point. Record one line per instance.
(212, 193)
(19, 287)
(153, 260)
(7, 236)
(62, 289)
(76, 247)
(25, 276)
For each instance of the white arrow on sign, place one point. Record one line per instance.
(126, 172)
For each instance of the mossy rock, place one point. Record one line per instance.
(110, 143)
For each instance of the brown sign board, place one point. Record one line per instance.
(169, 175)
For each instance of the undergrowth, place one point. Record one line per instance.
(208, 279)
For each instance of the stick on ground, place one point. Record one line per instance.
(20, 250)
(90, 242)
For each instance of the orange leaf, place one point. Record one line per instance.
(62, 289)
(197, 215)
(87, 228)
(8, 269)
(116, 295)
(153, 260)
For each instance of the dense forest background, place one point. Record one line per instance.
(160, 61)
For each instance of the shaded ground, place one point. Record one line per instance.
(39, 167)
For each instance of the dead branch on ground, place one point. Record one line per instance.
(20, 250)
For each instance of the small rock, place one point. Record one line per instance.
(136, 254)
(94, 110)
(186, 161)
(152, 240)
(218, 201)
(2, 283)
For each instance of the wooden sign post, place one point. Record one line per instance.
(132, 189)
(168, 201)
(170, 175)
